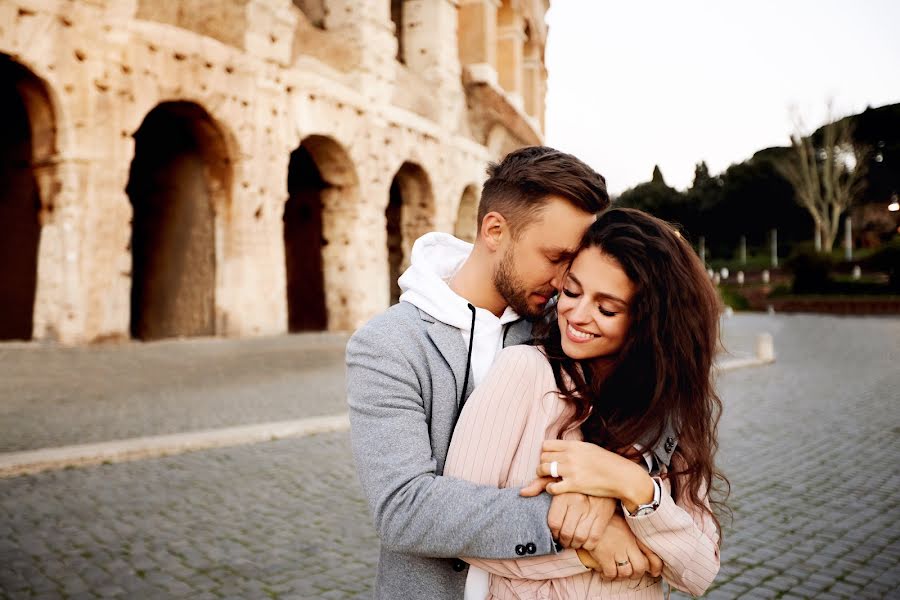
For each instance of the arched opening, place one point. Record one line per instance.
(27, 139)
(303, 243)
(321, 203)
(409, 214)
(466, 217)
(180, 177)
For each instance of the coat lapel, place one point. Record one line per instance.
(450, 344)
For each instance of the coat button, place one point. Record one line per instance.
(670, 444)
(458, 565)
(520, 550)
(530, 548)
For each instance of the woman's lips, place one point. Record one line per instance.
(578, 336)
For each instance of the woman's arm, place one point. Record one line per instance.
(505, 415)
(684, 536)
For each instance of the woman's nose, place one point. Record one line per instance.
(580, 313)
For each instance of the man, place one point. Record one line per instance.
(410, 370)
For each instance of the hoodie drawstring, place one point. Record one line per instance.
(462, 398)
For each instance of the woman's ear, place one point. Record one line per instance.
(493, 227)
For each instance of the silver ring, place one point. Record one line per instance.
(554, 469)
(623, 564)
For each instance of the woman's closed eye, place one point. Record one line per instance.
(606, 313)
(570, 293)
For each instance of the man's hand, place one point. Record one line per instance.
(618, 545)
(578, 521)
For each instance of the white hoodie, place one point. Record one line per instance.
(436, 257)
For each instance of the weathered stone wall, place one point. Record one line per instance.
(261, 78)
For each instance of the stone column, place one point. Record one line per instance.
(478, 36)
(510, 46)
(533, 81)
(367, 27)
(430, 48)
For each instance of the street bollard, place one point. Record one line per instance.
(857, 272)
(765, 276)
(740, 277)
(724, 272)
(765, 347)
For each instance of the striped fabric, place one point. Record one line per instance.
(498, 442)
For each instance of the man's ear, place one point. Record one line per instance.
(493, 227)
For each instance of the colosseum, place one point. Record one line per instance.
(244, 167)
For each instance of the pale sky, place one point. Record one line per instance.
(673, 82)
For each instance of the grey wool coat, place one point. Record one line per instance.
(405, 371)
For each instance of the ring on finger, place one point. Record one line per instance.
(554, 469)
(623, 563)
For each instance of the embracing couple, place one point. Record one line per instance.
(513, 445)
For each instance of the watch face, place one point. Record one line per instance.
(644, 511)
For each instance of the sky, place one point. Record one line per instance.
(637, 83)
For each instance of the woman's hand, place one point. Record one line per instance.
(619, 555)
(589, 469)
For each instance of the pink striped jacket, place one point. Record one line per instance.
(497, 442)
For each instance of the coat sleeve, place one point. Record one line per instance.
(415, 510)
(504, 416)
(684, 536)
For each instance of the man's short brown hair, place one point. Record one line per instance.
(518, 186)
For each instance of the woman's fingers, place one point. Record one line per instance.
(608, 568)
(623, 568)
(639, 564)
(558, 445)
(535, 487)
(545, 469)
(555, 488)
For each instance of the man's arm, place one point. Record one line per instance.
(415, 510)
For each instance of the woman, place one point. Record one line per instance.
(630, 352)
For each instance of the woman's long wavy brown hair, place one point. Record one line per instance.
(663, 372)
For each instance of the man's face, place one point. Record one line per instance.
(529, 269)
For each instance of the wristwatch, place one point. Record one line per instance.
(646, 509)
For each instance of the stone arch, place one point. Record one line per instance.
(466, 226)
(410, 213)
(323, 189)
(179, 186)
(27, 151)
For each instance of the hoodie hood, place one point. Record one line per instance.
(436, 257)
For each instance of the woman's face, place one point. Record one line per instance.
(593, 306)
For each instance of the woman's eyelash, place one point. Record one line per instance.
(604, 312)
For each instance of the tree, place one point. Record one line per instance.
(827, 172)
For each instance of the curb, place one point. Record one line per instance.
(14, 464)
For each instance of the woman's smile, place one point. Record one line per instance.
(579, 336)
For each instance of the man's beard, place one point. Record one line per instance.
(511, 288)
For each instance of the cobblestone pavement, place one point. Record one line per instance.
(52, 396)
(809, 444)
